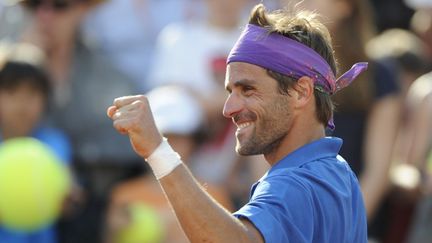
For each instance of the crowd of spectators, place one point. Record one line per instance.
(62, 62)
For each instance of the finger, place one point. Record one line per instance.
(126, 125)
(122, 126)
(127, 100)
(128, 110)
(111, 110)
(124, 114)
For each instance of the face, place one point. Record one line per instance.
(262, 114)
(20, 109)
(56, 19)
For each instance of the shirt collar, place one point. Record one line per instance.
(318, 149)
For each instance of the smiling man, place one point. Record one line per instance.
(280, 76)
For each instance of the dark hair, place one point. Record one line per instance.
(306, 29)
(14, 74)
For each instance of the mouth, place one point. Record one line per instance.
(244, 122)
(243, 126)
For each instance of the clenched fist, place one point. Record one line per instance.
(132, 115)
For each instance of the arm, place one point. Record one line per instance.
(380, 136)
(202, 219)
(422, 130)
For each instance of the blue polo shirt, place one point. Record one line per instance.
(311, 195)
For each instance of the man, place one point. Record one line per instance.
(279, 98)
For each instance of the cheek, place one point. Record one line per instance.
(34, 107)
(8, 105)
(256, 108)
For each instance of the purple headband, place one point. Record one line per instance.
(289, 57)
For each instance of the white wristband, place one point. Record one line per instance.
(163, 160)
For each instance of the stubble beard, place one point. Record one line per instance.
(268, 133)
(265, 143)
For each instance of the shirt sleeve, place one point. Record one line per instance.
(281, 210)
(386, 82)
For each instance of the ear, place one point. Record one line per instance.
(304, 89)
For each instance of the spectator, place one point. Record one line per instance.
(84, 82)
(126, 30)
(421, 24)
(420, 146)
(24, 94)
(406, 53)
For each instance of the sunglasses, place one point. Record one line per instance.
(55, 4)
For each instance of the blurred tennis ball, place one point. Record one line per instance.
(429, 163)
(145, 226)
(33, 184)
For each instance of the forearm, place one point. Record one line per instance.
(379, 141)
(421, 141)
(202, 218)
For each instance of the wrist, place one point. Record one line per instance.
(163, 160)
(152, 148)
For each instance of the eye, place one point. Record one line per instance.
(247, 90)
(228, 90)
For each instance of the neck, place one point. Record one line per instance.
(301, 133)
(59, 58)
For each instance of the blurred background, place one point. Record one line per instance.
(62, 62)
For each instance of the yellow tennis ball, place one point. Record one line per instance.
(145, 226)
(429, 163)
(33, 184)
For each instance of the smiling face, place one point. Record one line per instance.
(262, 114)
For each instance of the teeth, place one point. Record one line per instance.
(243, 125)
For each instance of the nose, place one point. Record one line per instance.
(233, 105)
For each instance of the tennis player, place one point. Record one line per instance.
(280, 78)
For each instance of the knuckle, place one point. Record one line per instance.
(143, 99)
(142, 104)
(120, 125)
(117, 100)
(139, 104)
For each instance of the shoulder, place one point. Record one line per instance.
(280, 210)
(57, 140)
(290, 206)
(321, 184)
(278, 187)
(385, 79)
(48, 134)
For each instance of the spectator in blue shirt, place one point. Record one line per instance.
(24, 92)
(280, 78)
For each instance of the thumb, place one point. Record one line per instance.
(111, 110)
